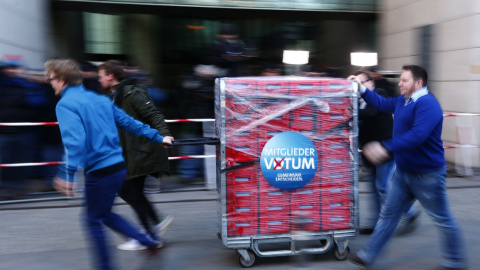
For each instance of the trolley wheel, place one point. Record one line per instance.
(341, 256)
(244, 263)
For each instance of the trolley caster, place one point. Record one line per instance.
(246, 258)
(341, 256)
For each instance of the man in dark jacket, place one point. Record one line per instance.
(375, 125)
(142, 157)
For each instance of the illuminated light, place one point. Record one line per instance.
(295, 57)
(363, 59)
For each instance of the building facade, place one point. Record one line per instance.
(442, 36)
(25, 31)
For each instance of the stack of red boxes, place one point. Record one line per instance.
(258, 108)
(336, 176)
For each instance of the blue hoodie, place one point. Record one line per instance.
(88, 124)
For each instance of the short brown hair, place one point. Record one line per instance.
(418, 73)
(65, 69)
(114, 67)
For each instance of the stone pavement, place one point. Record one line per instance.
(48, 235)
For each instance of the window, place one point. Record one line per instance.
(103, 33)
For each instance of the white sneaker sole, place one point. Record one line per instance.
(136, 248)
(163, 226)
(131, 247)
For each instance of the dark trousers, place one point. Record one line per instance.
(100, 192)
(132, 192)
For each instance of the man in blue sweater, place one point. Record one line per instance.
(88, 125)
(418, 152)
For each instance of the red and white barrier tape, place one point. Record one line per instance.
(60, 162)
(30, 164)
(460, 114)
(189, 157)
(180, 120)
(461, 146)
(24, 124)
(189, 120)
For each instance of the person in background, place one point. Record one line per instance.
(90, 79)
(421, 168)
(229, 51)
(142, 157)
(375, 125)
(22, 100)
(380, 81)
(200, 86)
(313, 71)
(88, 126)
(271, 69)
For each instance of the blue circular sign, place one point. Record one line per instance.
(289, 161)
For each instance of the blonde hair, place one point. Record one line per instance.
(64, 69)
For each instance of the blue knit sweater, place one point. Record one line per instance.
(417, 131)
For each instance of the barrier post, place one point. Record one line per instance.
(464, 155)
(209, 163)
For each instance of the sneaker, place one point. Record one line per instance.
(161, 227)
(153, 249)
(131, 244)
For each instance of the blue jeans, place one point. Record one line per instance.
(429, 189)
(381, 178)
(100, 192)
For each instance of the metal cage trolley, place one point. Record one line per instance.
(287, 165)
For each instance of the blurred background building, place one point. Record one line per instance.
(27, 31)
(170, 38)
(443, 37)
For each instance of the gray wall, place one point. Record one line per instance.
(24, 30)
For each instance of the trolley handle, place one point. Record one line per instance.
(195, 141)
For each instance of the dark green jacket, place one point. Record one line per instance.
(142, 157)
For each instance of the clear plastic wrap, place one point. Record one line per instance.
(276, 184)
